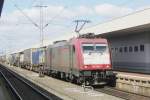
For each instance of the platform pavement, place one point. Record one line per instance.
(133, 75)
(133, 82)
(64, 90)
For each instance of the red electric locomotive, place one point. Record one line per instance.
(82, 60)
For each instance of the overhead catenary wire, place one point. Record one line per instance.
(25, 15)
(50, 21)
(34, 23)
(56, 16)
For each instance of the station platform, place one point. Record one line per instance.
(62, 89)
(134, 75)
(133, 82)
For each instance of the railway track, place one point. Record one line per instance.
(24, 89)
(122, 94)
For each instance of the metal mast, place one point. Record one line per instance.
(41, 26)
(41, 23)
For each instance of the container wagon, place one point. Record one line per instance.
(38, 58)
(27, 58)
(33, 58)
(21, 59)
(17, 57)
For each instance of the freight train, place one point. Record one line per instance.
(83, 60)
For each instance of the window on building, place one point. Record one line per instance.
(142, 48)
(130, 49)
(112, 49)
(116, 49)
(120, 49)
(136, 49)
(125, 49)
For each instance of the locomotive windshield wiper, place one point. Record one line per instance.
(90, 52)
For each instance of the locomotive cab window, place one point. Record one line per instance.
(100, 47)
(87, 47)
(94, 47)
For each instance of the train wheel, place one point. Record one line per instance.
(62, 75)
(79, 81)
(73, 79)
(67, 78)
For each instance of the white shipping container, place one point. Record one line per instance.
(27, 56)
(21, 58)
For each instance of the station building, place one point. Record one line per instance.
(129, 39)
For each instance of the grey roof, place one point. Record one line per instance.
(134, 22)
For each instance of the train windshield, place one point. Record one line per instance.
(88, 47)
(101, 47)
(94, 47)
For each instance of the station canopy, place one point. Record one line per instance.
(131, 23)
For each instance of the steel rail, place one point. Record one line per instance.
(2, 68)
(11, 86)
(122, 94)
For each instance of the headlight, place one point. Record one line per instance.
(107, 66)
(85, 66)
